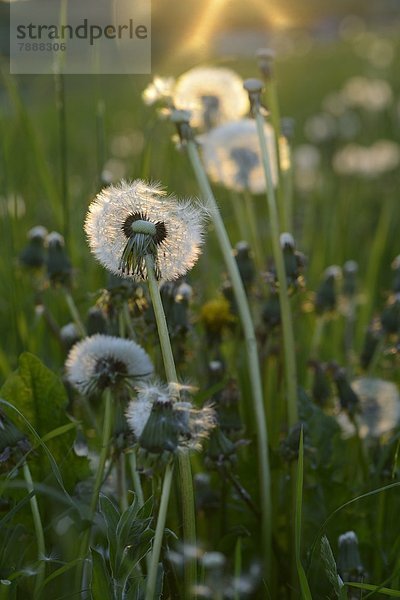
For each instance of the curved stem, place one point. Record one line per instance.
(162, 516)
(37, 523)
(251, 347)
(105, 442)
(286, 313)
(186, 483)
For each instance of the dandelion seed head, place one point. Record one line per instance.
(161, 88)
(213, 95)
(37, 233)
(128, 221)
(232, 156)
(287, 239)
(102, 361)
(55, 239)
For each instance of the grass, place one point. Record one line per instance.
(321, 484)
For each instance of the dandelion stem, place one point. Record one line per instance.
(74, 313)
(157, 541)
(286, 313)
(137, 485)
(251, 347)
(105, 443)
(37, 523)
(188, 507)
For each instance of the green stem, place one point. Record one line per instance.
(251, 348)
(137, 485)
(121, 483)
(105, 443)
(286, 313)
(157, 541)
(188, 506)
(37, 523)
(255, 236)
(74, 313)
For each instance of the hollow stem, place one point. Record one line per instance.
(37, 523)
(185, 471)
(160, 527)
(286, 313)
(251, 348)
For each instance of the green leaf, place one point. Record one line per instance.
(304, 587)
(330, 566)
(375, 588)
(111, 516)
(41, 397)
(101, 581)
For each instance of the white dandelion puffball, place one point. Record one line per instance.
(380, 408)
(139, 409)
(213, 95)
(127, 222)
(232, 156)
(102, 361)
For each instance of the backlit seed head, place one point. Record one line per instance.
(102, 361)
(128, 222)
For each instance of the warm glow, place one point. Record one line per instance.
(273, 15)
(199, 36)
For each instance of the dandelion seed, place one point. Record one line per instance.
(101, 361)
(163, 423)
(213, 95)
(128, 222)
(232, 156)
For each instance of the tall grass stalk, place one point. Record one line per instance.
(251, 346)
(37, 523)
(187, 493)
(286, 313)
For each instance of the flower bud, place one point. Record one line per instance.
(59, 267)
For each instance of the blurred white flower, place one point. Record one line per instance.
(161, 88)
(131, 220)
(213, 95)
(102, 361)
(307, 160)
(367, 161)
(370, 94)
(232, 155)
(379, 408)
(13, 206)
(320, 128)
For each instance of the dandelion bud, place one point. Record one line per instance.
(59, 267)
(69, 335)
(350, 270)
(96, 321)
(321, 389)
(13, 444)
(227, 408)
(181, 118)
(265, 59)
(289, 447)
(254, 87)
(372, 338)
(220, 450)
(34, 253)
(349, 561)
(245, 263)
(325, 298)
(271, 312)
(390, 317)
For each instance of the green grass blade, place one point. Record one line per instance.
(375, 588)
(304, 587)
